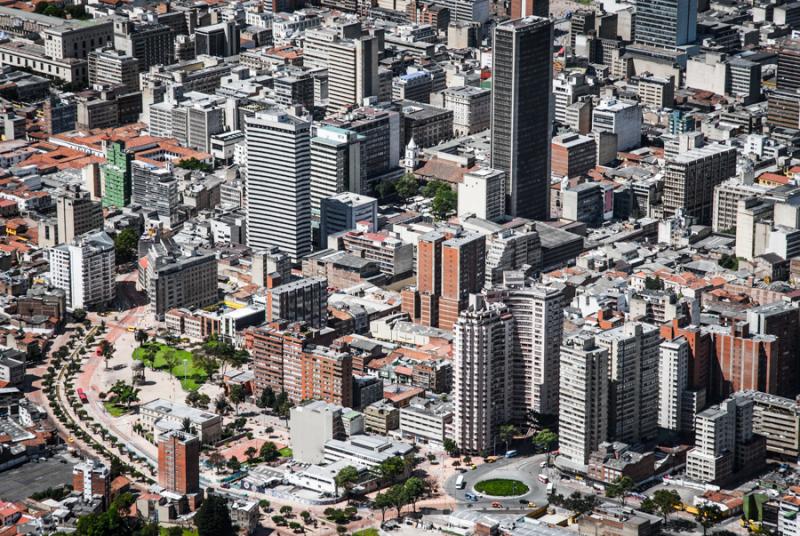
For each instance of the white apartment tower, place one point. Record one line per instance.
(482, 371)
(673, 380)
(583, 400)
(278, 182)
(538, 313)
(84, 269)
(633, 372)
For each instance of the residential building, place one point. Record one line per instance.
(511, 249)
(156, 189)
(690, 179)
(483, 368)
(572, 155)
(673, 383)
(76, 214)
(778, 420)
(583, 400)
(179, 463)
(267, 262)
(483, 193)
(85, 270)
(620, 118)
(278, 183)
(118, 175)
(110, 67)
(92, 479)
(521, 121)
(463, 263)
(394, 257)
(311, 426)
(583, 203)
(327, 375)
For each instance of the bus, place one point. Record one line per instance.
(82, 396)
(543, 478)
(460, 482)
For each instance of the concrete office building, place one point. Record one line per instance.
(483, 193)
(342, 212)
(572, 155)
(220, 40)
(416, 86)
(666, 23)
(426, 420)
(569, 88)
(727, 195)
(279, 182)
(583, 400)
(113, 68)
(155, 189)
(673, 382)
(174, 279)
(300, 300)
(620, 118)
(521, 108)
(311, 426)
(335, 164)
(352, 71)
(788, 76)
(583, 203)
(85, 270)
(690, 179)
(511, 249)
(270, 261)
(633, 355)
(778, 420)
(471, 107)
(150, 43)
(76, 214)
(483, 368)
(179, 463)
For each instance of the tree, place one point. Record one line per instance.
(545, 440)
(653, 283)
(648, 505)
(186, 425)
(216, 460)
(264, 504)
(666, 500)
(194, 164)
(233, 464)
(507, 433)
(620, 487)
(269, 452)
(236, 395)
(250, 453)
(213, 518)
(708, 516)
(383, 501)
(407, 186)
(731, 262)
(126, 244)
(399, 499)
(267, 398)
(391, 468)
(286, 510)
(445, 201)
(345, 478)
(140, 336)
(414, 488)
(79, 315)
(384, 189)
(432, 188)
(220, 404)
(450, 447)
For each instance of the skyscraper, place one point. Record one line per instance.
(335, 164)
(482, 371)
(521, 122)
(179, 462)
(666, 23)
(118, 178)
(278, 182)
(583, 400)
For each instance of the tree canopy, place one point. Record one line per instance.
(213, 517)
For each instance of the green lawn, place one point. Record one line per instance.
(191, 376)
(501, 487)
(367, 532)
(114, 410)
(285, 452)
(186, 532)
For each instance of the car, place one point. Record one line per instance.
(531, 505)
(523, 501)
(496, 504)
(543, 464)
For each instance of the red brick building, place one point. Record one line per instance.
(179, 462)
(327, 375)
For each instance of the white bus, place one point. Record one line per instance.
(460, 482)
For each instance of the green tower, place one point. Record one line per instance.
(117, 171)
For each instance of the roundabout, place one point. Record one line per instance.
(502, 487)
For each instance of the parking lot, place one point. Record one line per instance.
(20, 482)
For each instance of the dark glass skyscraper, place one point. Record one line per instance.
(522, 85)
(666, 23)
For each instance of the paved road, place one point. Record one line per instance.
(526, 470)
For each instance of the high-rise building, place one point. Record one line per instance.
(111, 67)
(538, 313)
(583, 400)
(788, 76)
(77, 214)
(85, 270)
(303, 300)
(335, 164)
(633, 351)
(352, 71)
(179, 462)
(155, 189)
(483, 193)
(521, 122)
(279, 182)
(781, 320)
(526, 8)
(511, 249)
(463, 265)
(327, 375)
(92, 479)
(482, 370)
(220, 40)
(673, 382)
(118, 175)
(690, 179)
(666, 23)
(150, 43)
